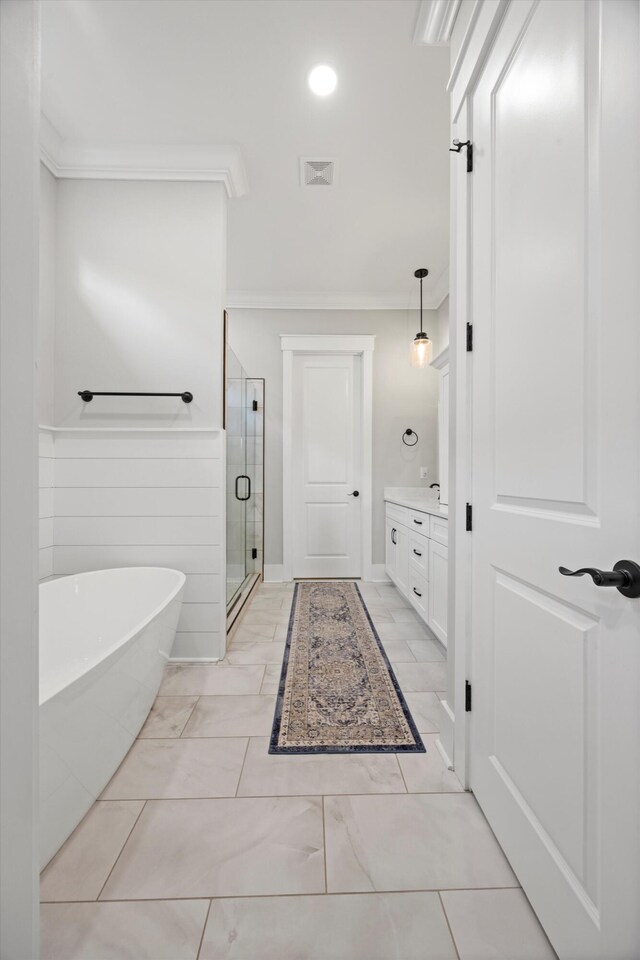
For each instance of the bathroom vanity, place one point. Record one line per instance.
(417, 553)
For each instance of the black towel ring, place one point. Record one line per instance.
(409, 433)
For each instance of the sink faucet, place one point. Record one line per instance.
(432, 485)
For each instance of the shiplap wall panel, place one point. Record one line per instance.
(165, 531)
(131, 472)
(147, 498)
(46, 502)
(137, 502)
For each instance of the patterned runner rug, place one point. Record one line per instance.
(338, 693)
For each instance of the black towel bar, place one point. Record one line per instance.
(88, 395)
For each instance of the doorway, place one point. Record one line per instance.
(327, 436)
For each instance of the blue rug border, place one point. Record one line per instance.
(274, 749)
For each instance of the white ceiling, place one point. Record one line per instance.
(195, 72)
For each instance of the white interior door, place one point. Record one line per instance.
(326, 441)
(555, 726)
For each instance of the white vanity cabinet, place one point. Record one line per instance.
(416, 559)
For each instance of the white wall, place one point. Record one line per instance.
(133, 298)
(140, 294)
(402, 397)
(47, 305)
(19, 112)
(442, 326)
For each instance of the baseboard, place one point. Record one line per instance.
(274, 573)
(445, 756)
(447, 726)
(378, 574)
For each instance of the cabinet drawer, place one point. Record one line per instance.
(419, 522)
(399, 514)
(419, 553)
(419, 593)
(439, 529)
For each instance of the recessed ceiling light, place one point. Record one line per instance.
(323, 80)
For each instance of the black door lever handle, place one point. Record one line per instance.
(625, 576)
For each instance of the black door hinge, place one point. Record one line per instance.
(254, 553)
(467, 696)
(254, 405)
(469, 526)
(457, 147)
(469, 337)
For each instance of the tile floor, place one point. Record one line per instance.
(204, 846)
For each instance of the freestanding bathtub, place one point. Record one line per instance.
(105, 638)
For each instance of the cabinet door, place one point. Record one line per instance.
(438, 589)
(402, 559)
(419, 593)
(390, 547)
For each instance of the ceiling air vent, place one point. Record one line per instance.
(317, 173)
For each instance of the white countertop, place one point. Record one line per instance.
(416, 498)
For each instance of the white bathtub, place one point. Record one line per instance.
(105, 638)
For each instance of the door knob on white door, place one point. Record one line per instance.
(625, 576)
(356, 493)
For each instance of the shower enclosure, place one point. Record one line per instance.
(245, 480)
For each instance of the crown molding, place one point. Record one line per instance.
(213, 163)
(244, 300)
(436, 18)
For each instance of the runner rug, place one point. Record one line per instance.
(338, 693)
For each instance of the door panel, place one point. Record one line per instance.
(555, 753)
(326, 458)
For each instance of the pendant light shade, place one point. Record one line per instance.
(421, 348)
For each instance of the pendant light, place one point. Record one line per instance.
(421, 346)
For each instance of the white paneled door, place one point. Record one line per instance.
(555, 726)
(326, 435)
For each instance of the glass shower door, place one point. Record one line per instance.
(238, 483)
(245, 479)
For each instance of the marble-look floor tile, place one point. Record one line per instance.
(179, 769)
(398, 651)
(281, 633)
(383, 926)
(272, 603)
(81, 866)
(427, 772)
(412, 842)
(216, 679)
(393, 601)
(271, 680)
(231, 717)
(213, 848)
(403, 631)
(167, 717)
(251, 632)
(254, 651)
(380, 616)
(421, 677)
(144, 930)
(495, 925)
(428, 651)
(406, 615)
(313, 774)
(426, 711)
(267, 617)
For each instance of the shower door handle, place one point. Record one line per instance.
(243, 476)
